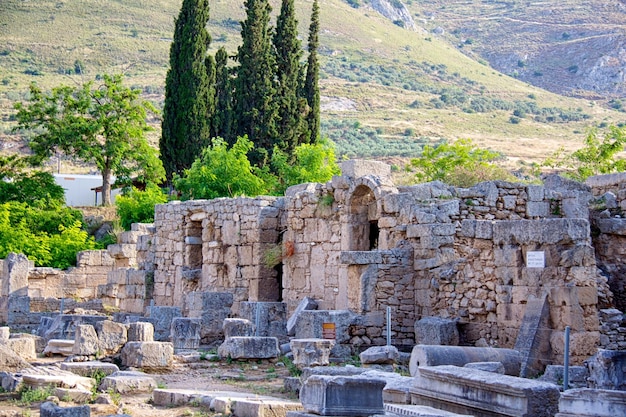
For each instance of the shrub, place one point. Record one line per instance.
(135, 206)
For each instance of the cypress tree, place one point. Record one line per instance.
(223, 119)
(311, 83)
(254, 104)
(188, 90)
(288, 50)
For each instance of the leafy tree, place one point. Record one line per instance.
(311, 83)
(104, 126)
(189, 96)
(135, 206)
(598, 156)
(453, 162)
(222, 172)
(288, 50)
(254, 99)
(313, 163)
(33, 187)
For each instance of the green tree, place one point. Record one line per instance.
(222, 172)
(254, 99)
(311, 83)
(460, 163)
(222, 125)
(189, 96)
(104, 126)
(288, 50)
(136, 206)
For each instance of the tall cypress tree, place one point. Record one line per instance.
(288, 50)
(223, 119)
(254, 103)
(188, 90)
(311, 83)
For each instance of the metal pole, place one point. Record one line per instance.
(566, 361)
(388, 326)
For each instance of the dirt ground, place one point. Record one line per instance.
(257, 377)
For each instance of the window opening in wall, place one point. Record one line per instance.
(193, 245)
(279, 279)
(374, 232)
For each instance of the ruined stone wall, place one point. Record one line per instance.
(216, 245)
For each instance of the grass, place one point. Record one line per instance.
(30, 395)
(381, 67)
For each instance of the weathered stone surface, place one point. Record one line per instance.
(46, 376)
(342, 395)
(428, 355)
(495, 367)
(418, 411)
(111, 336)
(127, 382)
(384, 355)
(585, 402)
(212, 308)
(607, 370)
(436, 331)
(63, 326)
(40, 343)
(147, 355)
(311, 352)
(89, 368)
(24, 347)
(141, 331)
(78, 396)
(59, 347)
(238, 327)
(85, 341)
(50, 409)
(162, 317)
(476, 392)
(310, 326)
(249, 348)
(270, 319)
(307, 303)
(5, 332)
(577, 376)
(185, 333)
(11, 361)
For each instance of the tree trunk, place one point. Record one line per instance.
(106, 187)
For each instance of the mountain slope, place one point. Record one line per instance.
(386, 89)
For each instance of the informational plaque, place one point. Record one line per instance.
(535, 259)
(328, 331)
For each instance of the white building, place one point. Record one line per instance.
(83, 190)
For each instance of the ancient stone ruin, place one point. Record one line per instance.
(365, 263)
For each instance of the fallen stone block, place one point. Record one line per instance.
(112, 336)
(85, 340)
(5, 333)
(311, 352)
(127, 382)
(577, 375)
(249, 348)
(306, 303)
(474, 392)
(79, 396)
(59, 347)
(176, 397)
(436, 331)
(418, 411)
(43, 377)
(147, 355)
(89, 368)
(140, 331)
(63, 326)
(585, 402)
(23, 347)
(11, 361)
(607, 370)
(50, 409)
(238, 327)
(253, 407)
(431, 355)
(269, 318)
(10, 382)
(161, 317)
(40, 342)
(495, 367)
(379, 355)
(185, 333)
(356, 396)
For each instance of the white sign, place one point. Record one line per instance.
(536, 259)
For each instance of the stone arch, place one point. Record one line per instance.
(363, 212)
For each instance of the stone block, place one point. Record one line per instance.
(141, 331)
(249, 348)
(185, 333)
(50, 409)
(11, 361)
(162, 317)
(379, 355)
(495, 367)
(307, 303)
(128, 382)
(85, 340)
(356, 168)
(59, 347)
(430, 355)
(436, 331)
(213, 308)
(147, 355)
(469, 391)
(63, 326)
(309, 324)
(577, 376)
(111, 336)
(355, 396)
(23, 347)
(40, 343)
(311, 352)
(88, 368)
(269, 318)
(79, 396)
(586, 402)
(238, 327)
(5, 333)
(607, 370)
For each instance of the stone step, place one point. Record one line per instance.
(418, 411)
(236, 403)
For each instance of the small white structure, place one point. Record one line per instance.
(83, 190)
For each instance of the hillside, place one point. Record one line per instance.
(386, 89)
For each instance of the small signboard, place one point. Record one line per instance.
(328, 331)
(535, 259)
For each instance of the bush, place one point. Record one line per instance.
(37, 188)
(135, 206)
